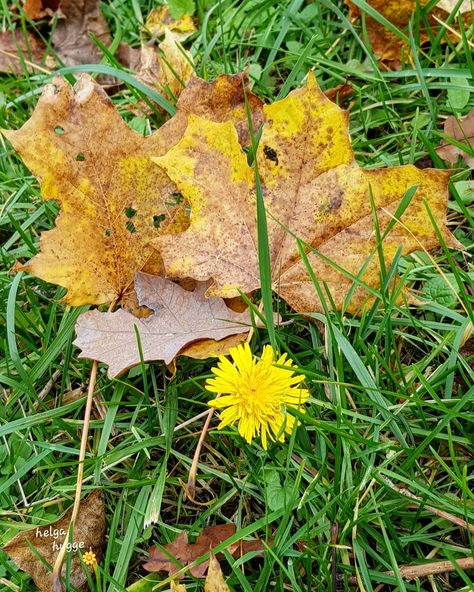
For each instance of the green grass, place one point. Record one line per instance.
(392, 391)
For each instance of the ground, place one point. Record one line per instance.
(391, 392)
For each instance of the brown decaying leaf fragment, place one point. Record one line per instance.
(312, 186)
(89, 534)
(18, 53)
(186, 553)
(37, 9)
(181, 318)
(77, 19)
(113, 199)
(167, 69)
(388, 46)
(462, 130)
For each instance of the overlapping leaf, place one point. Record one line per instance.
(113, 199)
(180, 318)
(312, 188)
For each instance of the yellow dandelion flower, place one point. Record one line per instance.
(89, 558)
(256, 393)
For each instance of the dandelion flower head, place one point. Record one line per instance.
(256, 393)
(89, 558)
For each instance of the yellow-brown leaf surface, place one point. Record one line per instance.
(114, 200)
(312, 187)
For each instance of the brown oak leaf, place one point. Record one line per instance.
(47, 539)
(312, 188)
(184, 552)
(180, 318)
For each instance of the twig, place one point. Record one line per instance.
(57, 584)
(410, 572)
(190, 489)
(440, 513)
(47, 387)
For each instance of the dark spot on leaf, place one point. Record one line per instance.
(158, 219)
(130, 212)
(130, 226)
(59, 130)
(80, 157)
(175, 199)
(271, 154)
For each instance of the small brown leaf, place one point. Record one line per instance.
(47, 539)
(77, 19)
(215, 581)
(19, 52)
(461, 130)
(186, 553)
(181, 318)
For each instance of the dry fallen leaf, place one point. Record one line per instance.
(113, 198)
(177, 587)
(89, 534)
(215, 581)
(461, 130)
(186, 553)
(159, 20)
(18, 53)
(181, 318)
(388, 46)
(168, 70)
(77, 19)
(312, 186)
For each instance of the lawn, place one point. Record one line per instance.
(378, 475)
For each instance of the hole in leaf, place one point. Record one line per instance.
(158, 219)
(175, 199)
(130, 226)
(80, 157)
(130, 212)
(59, 130)
(107, 232)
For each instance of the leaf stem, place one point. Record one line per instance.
(58, 565)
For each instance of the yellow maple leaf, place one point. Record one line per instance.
(159, 20)
(312, 188)
(114, 200)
